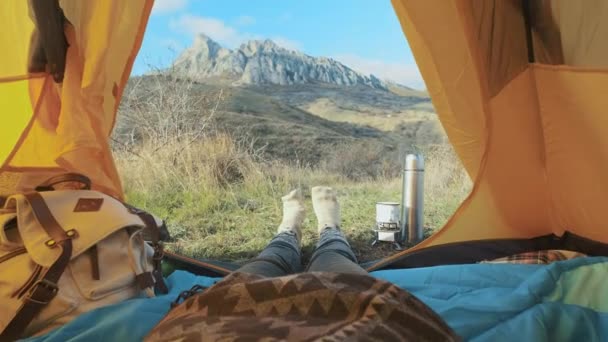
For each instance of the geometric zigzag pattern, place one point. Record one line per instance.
(302, 307)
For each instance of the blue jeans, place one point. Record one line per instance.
(283, 256)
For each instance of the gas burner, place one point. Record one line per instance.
(382, 226)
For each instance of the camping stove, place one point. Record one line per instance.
(394, 225)
(388, 227)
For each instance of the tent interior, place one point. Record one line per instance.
(519, 87)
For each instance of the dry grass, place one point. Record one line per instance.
(446, 185)
(221, 203)
(418, 125)
(221, 198)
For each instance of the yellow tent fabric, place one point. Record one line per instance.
(532, 133)
(52, 128)
(518, 85)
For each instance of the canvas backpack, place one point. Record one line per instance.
(66, 252)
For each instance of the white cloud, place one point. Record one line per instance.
(245, 20)
(168, 6)
(214, 28)
(224, 34)
(403, 73)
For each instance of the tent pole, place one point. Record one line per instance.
(526, 7)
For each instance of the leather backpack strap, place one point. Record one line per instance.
(45, 289)
(155, 237)
(50, 183)
(159, 252)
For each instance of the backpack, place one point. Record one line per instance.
(66, 252)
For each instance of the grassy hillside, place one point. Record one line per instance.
(289, 132)
(191, 154)
(221, 203)
(279, 129)
(408, 110)
(406, 91)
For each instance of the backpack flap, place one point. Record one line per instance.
(90, 216)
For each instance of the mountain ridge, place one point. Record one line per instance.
(263, 62)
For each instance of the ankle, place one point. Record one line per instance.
(328, 226)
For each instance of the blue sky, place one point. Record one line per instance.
(363, 34)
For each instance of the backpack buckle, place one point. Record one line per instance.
(42, 292)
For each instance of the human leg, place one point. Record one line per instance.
(282, 255)
(333, 252)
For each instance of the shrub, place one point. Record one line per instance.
(362, 160)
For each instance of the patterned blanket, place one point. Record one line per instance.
(539, 257)
(303, 307)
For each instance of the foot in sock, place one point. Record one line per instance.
(293, 214)
(326, 206)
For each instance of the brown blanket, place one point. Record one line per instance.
(302, 307)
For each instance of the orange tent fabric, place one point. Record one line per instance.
(48, 127)
(520, 93)
(518, 85)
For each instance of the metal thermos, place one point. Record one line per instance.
(412, 202)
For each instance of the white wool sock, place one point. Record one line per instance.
(293, 213)
(326, 206)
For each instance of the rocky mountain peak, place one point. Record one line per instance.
(265, 62)
(206, 47)
(258, 47)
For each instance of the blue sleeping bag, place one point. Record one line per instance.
(563, 301)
